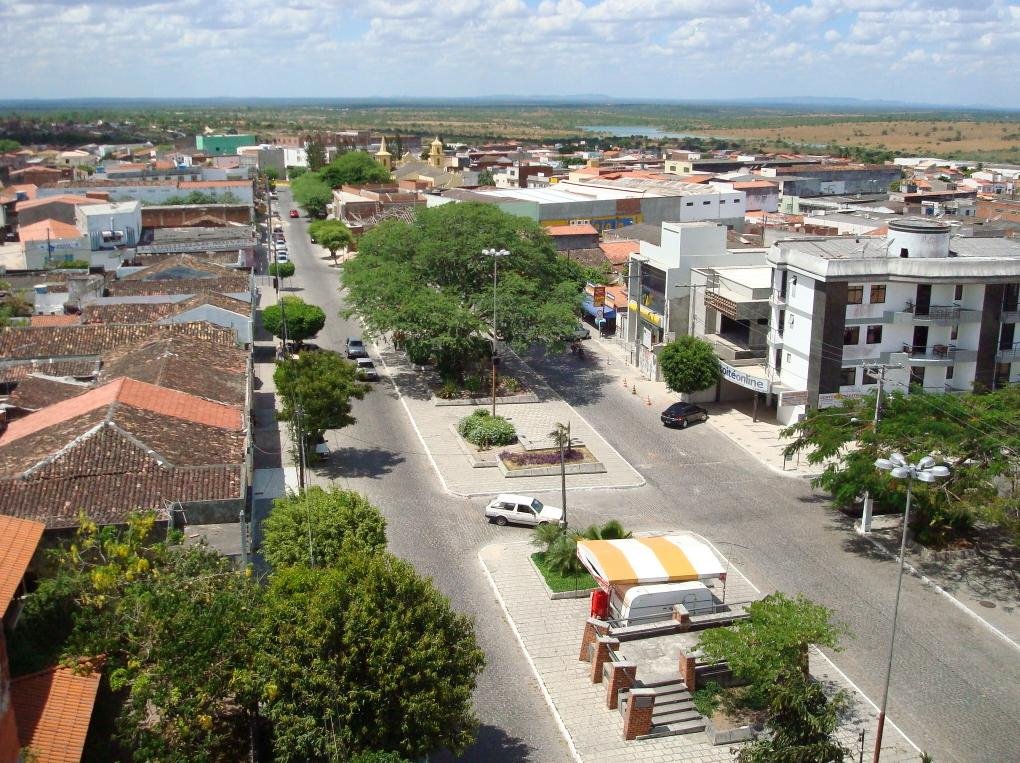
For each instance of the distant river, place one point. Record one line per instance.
(626, 131)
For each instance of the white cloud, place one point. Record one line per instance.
(943, 49)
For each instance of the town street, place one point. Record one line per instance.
(955, 686)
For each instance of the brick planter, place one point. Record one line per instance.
(548, 471)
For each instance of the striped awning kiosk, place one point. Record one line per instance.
(642, 561)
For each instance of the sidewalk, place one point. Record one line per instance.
(759, 438)
(435, 426)
(549, 633)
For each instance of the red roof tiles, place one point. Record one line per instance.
(54, 320)
(20, 540)
(53, 709)
(572, 230)
(44, 229)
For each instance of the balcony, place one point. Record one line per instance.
(777, 299)
(734, 351)
(933, 315)
(1008, 354)
(938, 354)
(1010, 313)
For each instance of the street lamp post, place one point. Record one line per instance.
(495, 254)
(924, 470)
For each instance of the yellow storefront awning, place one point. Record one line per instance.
(641, 561)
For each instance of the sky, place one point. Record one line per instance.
(920, 51)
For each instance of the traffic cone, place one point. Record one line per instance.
(648, 399)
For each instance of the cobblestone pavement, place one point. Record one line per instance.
(435, 425)
(954, 686)
(550, 633)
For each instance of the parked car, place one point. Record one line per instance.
(682, 414)
(294, 213)
(508, 508)
(282, 257)
(367, 370)
(355, 348)
(579, 334)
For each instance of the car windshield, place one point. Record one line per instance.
(355, 342)
(536, 505)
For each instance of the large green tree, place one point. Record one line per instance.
(364, 655)
(170, 623)
(316, 155)
(311, 194)
(976, 435)
(332, 522)
(354, 168)
(430, 281)
(689, 365)
(303, 321)
(332, 234)
(322, 383)
(282, 269)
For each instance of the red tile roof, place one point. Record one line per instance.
(619, 252)
(744, 185)
(54, 320)
(53, 709)
(64, 198)
(44, 229)
(149, 397)
(214, 183)
(36, 342)
(20, 540)
(585, 229)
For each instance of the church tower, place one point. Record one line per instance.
(384, 157)
(436, 153)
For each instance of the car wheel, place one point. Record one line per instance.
(542, 524)
(705, 417)
(501, 521)
(683, 423)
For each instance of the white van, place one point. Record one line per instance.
(649, 603)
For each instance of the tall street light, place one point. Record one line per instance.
(924, 470)
(495, 254)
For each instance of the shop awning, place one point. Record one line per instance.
(640, 561)
(607, 312)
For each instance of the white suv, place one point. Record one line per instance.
(522, 510)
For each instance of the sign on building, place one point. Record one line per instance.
(829, 399)
(598, 296)
(744, 379)
(793, 397)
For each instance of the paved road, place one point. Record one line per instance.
(382, 457)
(955, 687)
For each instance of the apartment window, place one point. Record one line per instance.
(690, 203)
(878, 294)
(953, 333)
(874, 334)
(958, 292)
(791, 319)
(855, 295)
(949, 372)
(903, 252)
(705, 203)
(867, 378)
(793, 286)
(852, 335)
(848, 377)
(789, 357)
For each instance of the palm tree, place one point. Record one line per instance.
(561, 437)
(561, 545)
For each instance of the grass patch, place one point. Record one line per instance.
(561, 583)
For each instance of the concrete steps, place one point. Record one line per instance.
(674, 712)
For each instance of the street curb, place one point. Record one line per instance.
(860, 691)
(940, 590)
(531, 663)
(770, 467)
(414, 424)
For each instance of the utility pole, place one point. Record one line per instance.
(495, 254)
(563, 474)
(878, 370)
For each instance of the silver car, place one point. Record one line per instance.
(507, 508)
(367, 370)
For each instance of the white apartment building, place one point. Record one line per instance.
(109, 226)
(659, 289)
(941, 306)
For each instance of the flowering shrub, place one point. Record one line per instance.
(539, 459)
